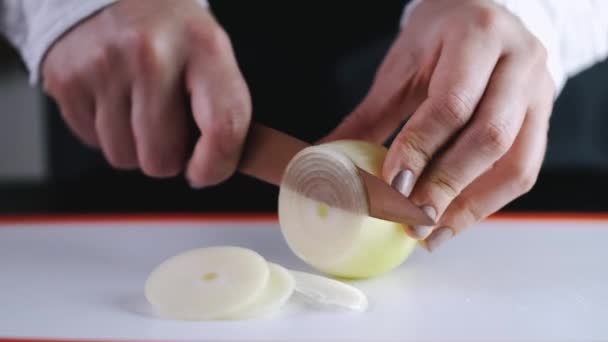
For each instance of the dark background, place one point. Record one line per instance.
(306, 69)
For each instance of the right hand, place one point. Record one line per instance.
(126, 78)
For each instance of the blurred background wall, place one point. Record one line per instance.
(22, 123)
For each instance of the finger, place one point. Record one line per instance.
(456, 86)
(159, 115)
(485, 140)
(76, 105)
(222, 111)
(512, 176)
(79, 114)
(113, 125)
(388, 102)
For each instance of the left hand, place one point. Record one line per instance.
(481, 95)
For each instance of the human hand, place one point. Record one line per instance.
(481, 95)
(127, 78)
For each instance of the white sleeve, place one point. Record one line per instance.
(574, 33)
(32, 26)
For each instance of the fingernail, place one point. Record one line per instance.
(422, 232)
(438, 237)
(404, 182)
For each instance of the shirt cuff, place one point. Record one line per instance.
(537, 20)
(48, 24)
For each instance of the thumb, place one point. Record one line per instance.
(221, 109)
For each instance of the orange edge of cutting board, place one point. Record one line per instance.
(259, 218)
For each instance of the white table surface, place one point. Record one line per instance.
(522, 279)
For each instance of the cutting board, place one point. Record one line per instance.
(509, 278)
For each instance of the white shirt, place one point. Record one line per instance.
(574, 32)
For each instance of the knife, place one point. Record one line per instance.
(267, 152)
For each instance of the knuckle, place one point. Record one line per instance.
(212, 38)
(493, 137)
(467, 209)
(142, 52)
(222, 130)
(453, 109)
(234, 120)
(524, 176)
(135, 38)
(59, 83)
(100, 60)
(55, 77)
(486, 18)
(236, 110)
(411, 147)
(445, 184)
(227, 136)
(526, 179)
(526, 182)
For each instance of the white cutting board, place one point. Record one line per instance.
(508, 279)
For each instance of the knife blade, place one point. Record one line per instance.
(267, 152)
